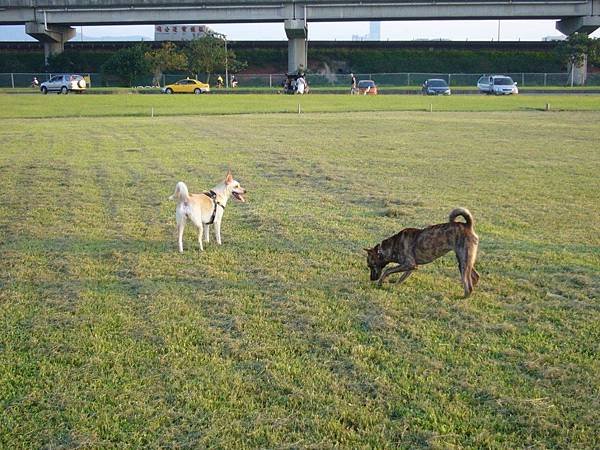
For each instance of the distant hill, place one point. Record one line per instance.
(17, 33)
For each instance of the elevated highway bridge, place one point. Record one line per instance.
(52, 21)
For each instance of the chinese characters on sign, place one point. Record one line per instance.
(180, 32)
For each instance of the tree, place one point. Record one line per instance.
(574, 50)
(61, 62)
(129, 64)
(208, 55)
(167, 57)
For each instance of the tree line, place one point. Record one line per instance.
(206, 56)
(200, 57)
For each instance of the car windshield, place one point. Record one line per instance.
(365, 84)
(437, 83)
(504, 81)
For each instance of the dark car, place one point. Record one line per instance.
(435, 86)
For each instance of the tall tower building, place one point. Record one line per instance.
(374, 31)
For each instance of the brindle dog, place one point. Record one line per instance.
(412, 246)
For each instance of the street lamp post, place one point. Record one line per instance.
(222, 36)
(226, 68)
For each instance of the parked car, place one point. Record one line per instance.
(497, 85)
(367, 87)
(187, 86)
(64, 84)
(435, 86)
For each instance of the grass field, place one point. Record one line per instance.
(39, 106)
(276, 339)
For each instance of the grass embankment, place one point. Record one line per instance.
(31, 106)
(384, 89)
(110, 338)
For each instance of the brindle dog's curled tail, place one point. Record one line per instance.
(462, 212)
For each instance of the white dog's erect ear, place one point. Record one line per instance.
(229, 177)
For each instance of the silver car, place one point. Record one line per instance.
(497, 85)
(64, 84)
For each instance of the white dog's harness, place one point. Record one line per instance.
(213, 197)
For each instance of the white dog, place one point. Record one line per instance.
(204, 209)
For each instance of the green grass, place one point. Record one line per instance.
(110, 338)
(314, 89)
(32, 106)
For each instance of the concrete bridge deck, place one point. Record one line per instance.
(51, 21)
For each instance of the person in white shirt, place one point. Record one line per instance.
(300, 85)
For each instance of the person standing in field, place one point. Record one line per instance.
(353, 84)
(300, 85)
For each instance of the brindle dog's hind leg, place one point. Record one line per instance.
(462, 254)
(474, 273)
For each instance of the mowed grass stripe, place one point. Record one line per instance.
(82, 106)
(277, 338)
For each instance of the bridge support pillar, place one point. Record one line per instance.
(297, 33)
(585, 24)
(52, 36)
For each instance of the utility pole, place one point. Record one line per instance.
(224, 37)
(226, 64)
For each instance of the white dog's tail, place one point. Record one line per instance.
(181, 193)
(462, 212)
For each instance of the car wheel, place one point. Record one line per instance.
(64, 90)
(197, 91)
(44, 90)
(169, 91)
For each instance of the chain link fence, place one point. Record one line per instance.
(275, 81)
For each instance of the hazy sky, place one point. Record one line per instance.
(485, 30)
(455, 30)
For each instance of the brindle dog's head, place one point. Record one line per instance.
(375, 261)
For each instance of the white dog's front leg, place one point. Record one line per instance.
(180, 228)
(218, 231)
(206, 237)
(200, 232)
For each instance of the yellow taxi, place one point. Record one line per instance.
(187, 86)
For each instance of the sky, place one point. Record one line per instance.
(480, 30)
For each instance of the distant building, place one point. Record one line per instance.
(180, 32)
(374, 31)
(553, 38)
